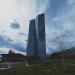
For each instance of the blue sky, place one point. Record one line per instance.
(60, 18)
(16, 14)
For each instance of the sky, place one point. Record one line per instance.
(16, 14)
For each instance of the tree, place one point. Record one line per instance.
(60, 42)
(11, 52)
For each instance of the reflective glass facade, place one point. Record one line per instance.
(32, 41)
(36, 38)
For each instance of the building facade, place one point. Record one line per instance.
(32, 40)
(36, 39)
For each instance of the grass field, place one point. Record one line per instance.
(49, 67)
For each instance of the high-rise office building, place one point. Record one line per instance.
(40, 34)
(36, 39)
(32, 40)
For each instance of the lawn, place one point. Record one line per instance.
(49, 67)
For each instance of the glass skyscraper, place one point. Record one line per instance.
(32, 40)
(36, 39)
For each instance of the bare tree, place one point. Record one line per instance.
(60, 42)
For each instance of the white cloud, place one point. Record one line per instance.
(70, 2)
(65, 22)
(4, 50)
(21, 10)
(24, 10)
(7, 11)
(41, 6)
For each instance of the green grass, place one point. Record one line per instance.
(49, 67)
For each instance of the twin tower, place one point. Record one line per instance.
(36, 48)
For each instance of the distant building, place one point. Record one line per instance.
(13, 58)
(36, 39)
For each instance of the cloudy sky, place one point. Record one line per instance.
(15, 16)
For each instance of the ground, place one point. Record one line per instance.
(48, 67)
